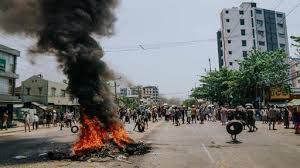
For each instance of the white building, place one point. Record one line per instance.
(246, 28)
(295, 72)
(151, 93)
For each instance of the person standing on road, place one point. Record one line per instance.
(61, 120)
(27, 122)
(182, 111)
(177, 116)
(145, 117)
(272, 117)
(35, 124)
(5, 120)
(223, 114)
(189, 115)
(286, 118)
(194, 111)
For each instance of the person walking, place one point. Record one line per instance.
(61, 120)
(286, 118)
(194, 111)
(27, 122)
(223, 113)
(183, 111)
(296, 118)
(201, 113)
(272, 117)
(145, 117)
(177, 116)
(5, 120)
(54, 118)
(35, 124)
(189, 115)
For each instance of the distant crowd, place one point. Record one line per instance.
(247, 114)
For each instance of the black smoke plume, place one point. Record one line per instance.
(64, 27)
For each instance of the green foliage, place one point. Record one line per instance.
(260, 70)
(296, 43)
(189, 102)
(127, 102)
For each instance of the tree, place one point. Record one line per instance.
(260, 71)
(256, 74)
(127, 102)
(216, 86)
(296, 43)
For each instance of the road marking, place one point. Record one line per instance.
(208, 154)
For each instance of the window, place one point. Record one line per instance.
(53, 91)
(242, 21)
(261, 43)
(282, 46)
(281, 35)
(279, 15)
(230, 63)
(258, 11)
(251, 13)
(245, 54)
(230, 52)
(244, 43)
(260, 22)
(226, 11)
(28, 91)
(243, 32)
(241, 12)
(40, 90)
(2, 65)
(63, 93)
(228, 30)
(299, 81)
(261, 33)
(229, 41)
(227, 20)
(280, 25)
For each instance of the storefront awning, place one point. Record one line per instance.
(279, 103)
(294, 102)
(40, 105)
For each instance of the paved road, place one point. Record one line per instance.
(206, 146)
(184, 146)
(16, 142)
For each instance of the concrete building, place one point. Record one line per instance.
(294, 72)
(42, 92)
(249, 27)
(8, 76)
(151, 93)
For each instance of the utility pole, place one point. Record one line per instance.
(209, 65)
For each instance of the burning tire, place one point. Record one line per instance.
(141, 127)
(234, 127)
(74, 129)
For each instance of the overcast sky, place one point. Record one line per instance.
(155, 24)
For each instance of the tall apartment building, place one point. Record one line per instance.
(246, 28)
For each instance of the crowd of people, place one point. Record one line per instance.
(51, 118)
(247, 114)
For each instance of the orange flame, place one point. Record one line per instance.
(93, 137)
(119, 135)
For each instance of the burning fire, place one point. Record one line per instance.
(93, 137)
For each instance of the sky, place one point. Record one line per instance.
(159, 26)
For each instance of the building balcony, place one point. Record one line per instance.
(9, 99)
(9, 75)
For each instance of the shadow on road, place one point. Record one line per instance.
(33, 150)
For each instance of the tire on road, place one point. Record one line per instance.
(234, 127)
(74, 129)
(141, 127)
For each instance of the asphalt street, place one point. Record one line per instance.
(209, 145)
(186, 146)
